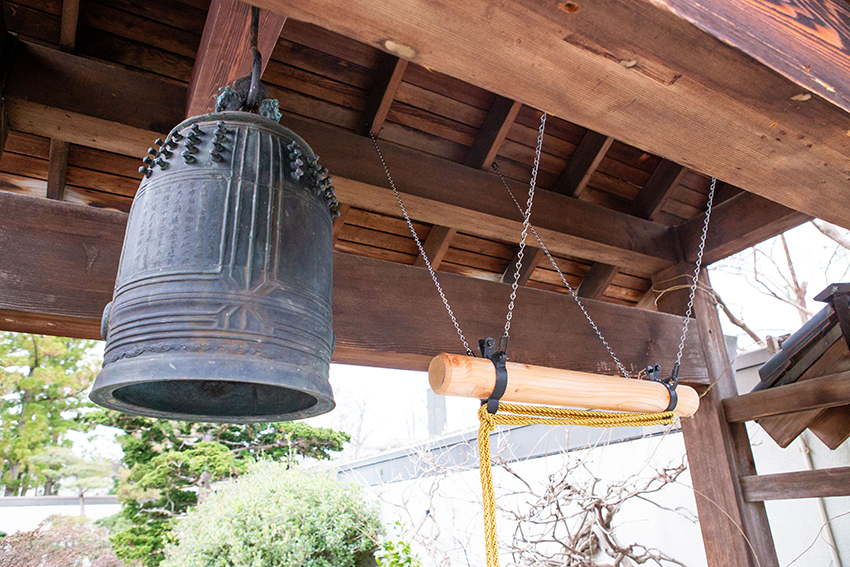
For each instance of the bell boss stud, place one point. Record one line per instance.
(470, 377)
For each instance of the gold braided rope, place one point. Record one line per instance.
(516, 414)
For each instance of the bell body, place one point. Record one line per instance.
(222, 304)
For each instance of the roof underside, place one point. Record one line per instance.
(328, 78)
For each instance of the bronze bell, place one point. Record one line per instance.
(222, 304)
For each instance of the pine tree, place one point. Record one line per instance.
(43, 381)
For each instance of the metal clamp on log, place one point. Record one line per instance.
(498, 358)
(654, 373)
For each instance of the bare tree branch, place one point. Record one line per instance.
(735, 320)
(833, 232)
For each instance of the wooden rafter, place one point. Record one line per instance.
(385, 314)
(597, 280)
(532, 256)
(225, 54)
(585, 160)
(68, 26)
(58, 156)
(57, 169)
(647, 205)
(387, 81)
(340, 220)
(8, 50)
(55, 94)
(657, 190)
(436, 245)
(492, 133)
(610, 67)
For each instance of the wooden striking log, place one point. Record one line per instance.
(469, 377)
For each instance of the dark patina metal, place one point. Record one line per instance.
(222, 305)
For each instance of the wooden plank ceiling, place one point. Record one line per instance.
(330, 83)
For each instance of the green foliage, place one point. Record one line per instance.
(42, 393)
(277, 515)
(396, 554)
(59, 541)
(170, 465)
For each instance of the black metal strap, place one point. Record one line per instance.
(654, 373)
(498, 358)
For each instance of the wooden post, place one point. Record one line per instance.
(719, 453)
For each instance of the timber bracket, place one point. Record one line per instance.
(498, 358)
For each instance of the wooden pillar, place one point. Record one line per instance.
(719, 453)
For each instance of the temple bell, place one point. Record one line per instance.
(222, 305)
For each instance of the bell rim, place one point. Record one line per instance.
(117, 375)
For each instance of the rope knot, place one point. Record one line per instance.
(487, 419)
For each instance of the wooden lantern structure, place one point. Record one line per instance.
(647, 99)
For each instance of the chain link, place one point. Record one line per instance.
(696, 271)
(421, 248)
(525, 224)
(587, 316)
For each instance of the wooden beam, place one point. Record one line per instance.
(584, 162)
(567, 226)
(597, 280)
(736, 224)
(57, 169)
(49, 83)
(817, 393)
(657, 190)
(805, 41)
(635, 71)
(719, 453)
(224, 54)
(59, 262)
(820, 483)
(87, 111)
(492, 133)
(387, 80)
(436, 245)
(532, 256)
(68, 26)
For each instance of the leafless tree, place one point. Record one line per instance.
(570, 520)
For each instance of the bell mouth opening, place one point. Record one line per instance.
(210, 389)
(214, 400)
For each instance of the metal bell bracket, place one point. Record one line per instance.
(498, 358)
(654, 373)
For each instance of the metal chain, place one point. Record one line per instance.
(525, 224)
(587, 316)
(696, 274)
(421, 248)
